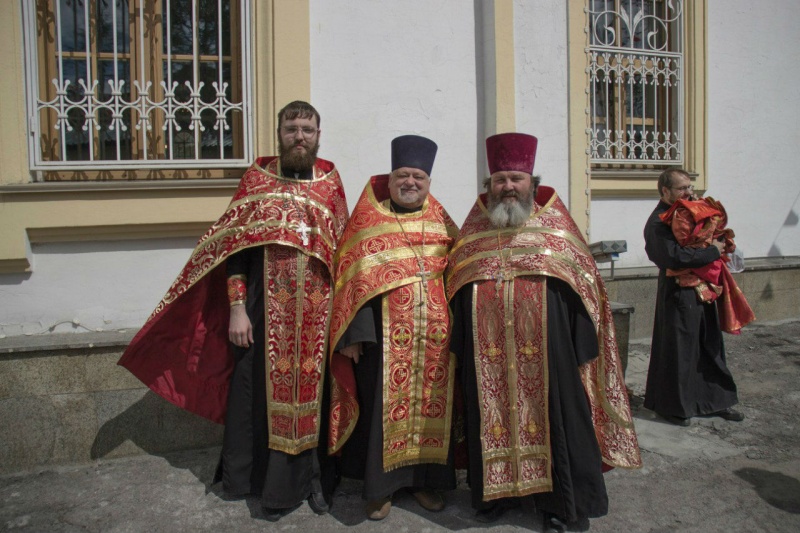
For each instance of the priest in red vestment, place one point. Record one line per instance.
(546, 410)
(392, 387)
(241, 336)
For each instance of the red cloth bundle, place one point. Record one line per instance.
(696, 224)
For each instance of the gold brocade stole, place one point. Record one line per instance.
(510, 342)
(297, 304)
(417, 376)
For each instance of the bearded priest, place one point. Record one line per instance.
(256, 360)
(546, 410)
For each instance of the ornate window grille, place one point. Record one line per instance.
(138, 84)
(636, 82)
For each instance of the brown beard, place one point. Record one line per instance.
(514, 215)
(295, 161)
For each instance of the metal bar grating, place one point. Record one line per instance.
(138, 83)
(635, 81)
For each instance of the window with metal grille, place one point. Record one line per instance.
(148, 87)
(636, 82)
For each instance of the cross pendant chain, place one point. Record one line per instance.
(303, 230)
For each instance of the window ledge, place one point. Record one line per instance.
(92, 186)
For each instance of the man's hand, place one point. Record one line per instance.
(352, 351)
(240, 330)
(720, 245)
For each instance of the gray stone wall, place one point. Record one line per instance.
(73, 404)
(771, 286)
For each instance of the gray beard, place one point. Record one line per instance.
(298, 162)
(509, 215)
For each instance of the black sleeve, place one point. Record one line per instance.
(663, 249)
(361, 329)
(568, 316)
(461, 332)
(239, 262)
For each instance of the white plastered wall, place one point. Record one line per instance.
(384, 69)
(90, 286)
(540, 40)
(754, 119)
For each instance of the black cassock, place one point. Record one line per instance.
(688, 375)
(247, 465)
(578, 486)
(362, 454)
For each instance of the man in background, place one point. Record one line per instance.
(688, 375)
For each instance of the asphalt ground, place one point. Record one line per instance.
(713, 476)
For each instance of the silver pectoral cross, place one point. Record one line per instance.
(423, 278)
(303, 230)
(500, 277)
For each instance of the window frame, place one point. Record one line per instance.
(619, 180)
(138, 168)
(659, 68)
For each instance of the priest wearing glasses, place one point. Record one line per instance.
(392, 386)
(255, 360)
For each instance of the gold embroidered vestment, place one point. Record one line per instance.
(182, 352)
(507, 269)
(401, 259)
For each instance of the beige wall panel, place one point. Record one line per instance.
(505, 78)
(13, 148)
(106, 215)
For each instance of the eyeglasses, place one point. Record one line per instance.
(292, 131)
(684, 188)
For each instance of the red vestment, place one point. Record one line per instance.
(400, 258)
(508, 268)
(182, 351)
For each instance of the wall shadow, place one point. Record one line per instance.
(157, 427)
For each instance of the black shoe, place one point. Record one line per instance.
(493, 513)
(273, 514)
(553, 524)
(729, 414)
(317, 503)
(676, 420)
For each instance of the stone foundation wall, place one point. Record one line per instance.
(71, 403)
(771, 286)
